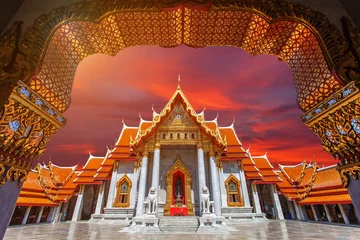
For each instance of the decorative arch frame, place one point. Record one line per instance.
(126, 179)
(178, 166)
(240, 202)
(33, 77)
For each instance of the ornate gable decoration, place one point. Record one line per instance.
(177, 113)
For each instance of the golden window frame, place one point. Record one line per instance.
(125, 178)
(240, 202)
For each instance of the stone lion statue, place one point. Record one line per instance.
(152, 199)
(205, 200)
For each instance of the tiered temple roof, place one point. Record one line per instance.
(327, 188)
(48, 186)
(307, 184)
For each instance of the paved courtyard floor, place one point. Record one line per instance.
(266, 230)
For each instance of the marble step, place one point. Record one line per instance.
(179, 224)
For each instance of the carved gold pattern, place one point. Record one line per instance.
(59, 40)
(309, 185)
(126, 179)
(12, 174)
(346, 173)
(26, 125)
(240, 202)
(178, 166)
(338, 127)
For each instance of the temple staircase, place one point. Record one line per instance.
(178, 224)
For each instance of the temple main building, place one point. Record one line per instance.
(179, 164)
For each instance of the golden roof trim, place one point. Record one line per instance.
(167, 109)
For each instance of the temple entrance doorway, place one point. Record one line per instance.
(178, 190)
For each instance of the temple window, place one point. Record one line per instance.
(171, 136)
(178, 136)
(234, 198)
(164, 135)
(193, 136)
(185, 136)
(123, 192)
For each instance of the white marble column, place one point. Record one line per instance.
(222, 186)
(328, 214)
(38, 218)
(51, 214)
(100, 199)
(304, 213)
(156, 168)
(79, 205)
(65, 208)
(276, 202)
(57, 213)
(298, 211)
(244, 188)
(343, 213)
(215, 185)
(112, 188)
(255, 195)
(201, 171)
(26, 216)
(315, 213)
(142, 185)
(291, 208)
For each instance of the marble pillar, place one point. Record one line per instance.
(222, 187)
(354, 191)
(112, 188)
(38, 218)
(291, 209)
(298, 211)
(304, 213)
(244, 188)
(343, 214)
(78, 205)
(100, 199)
(276, 202)
(57, 214)
(315, 213)
(255, 195)
(142, 185)
(65, 209)
(156, 169)
(26, 216)
(201, 171)
(215, 185)
(328, 214)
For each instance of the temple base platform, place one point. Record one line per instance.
(114, 214)
(240, 213)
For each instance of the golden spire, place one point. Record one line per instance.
(178, 87)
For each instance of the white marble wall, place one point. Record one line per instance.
(228, 168)
(127, 167)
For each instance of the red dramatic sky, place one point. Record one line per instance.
(257, 91)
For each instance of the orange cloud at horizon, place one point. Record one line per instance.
(257, 91)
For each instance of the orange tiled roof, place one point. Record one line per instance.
(266, 170)
(86, 176)
(318, 185)
(47, 186)
(294, 174)
(331, 199)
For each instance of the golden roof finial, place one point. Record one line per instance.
(178, 87)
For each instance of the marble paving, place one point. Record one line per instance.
(266, 230)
